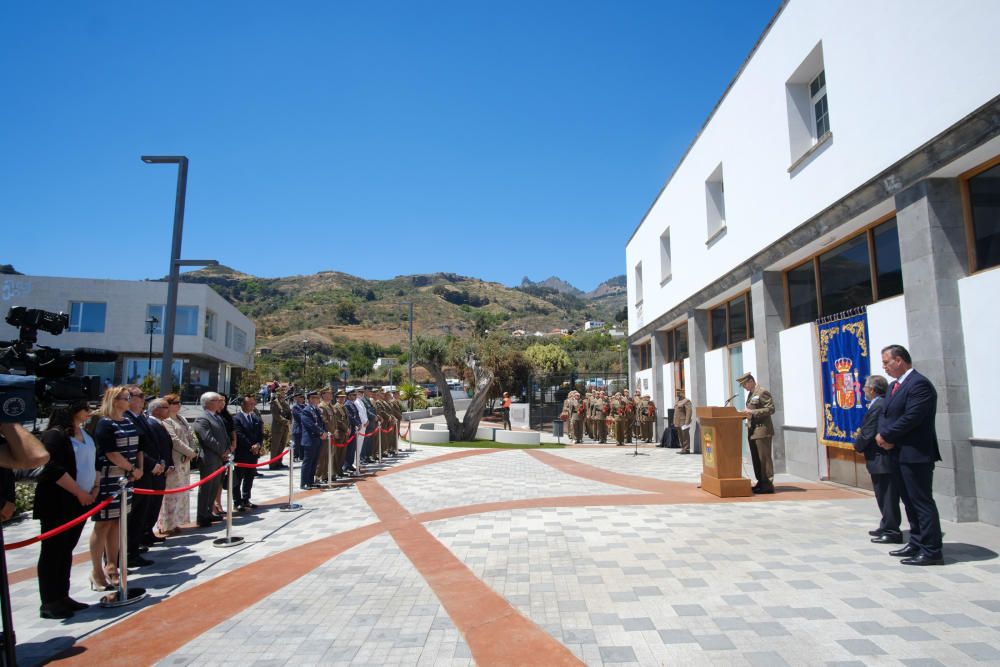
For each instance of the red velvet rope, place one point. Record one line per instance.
(260, 465)
(180, 489)
(66, 526)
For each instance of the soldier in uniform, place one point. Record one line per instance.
(396, 410)
(588, 417)
(340, 433)
(760, 430)
(384, 422)
(616, 416)
(603, 413)
(648, 418)
(576, 418)
(281, 413)
(682, 421)
(326, 412)
(298, 407)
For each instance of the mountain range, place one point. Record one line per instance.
(330, 305)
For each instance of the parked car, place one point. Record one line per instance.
(431, 390)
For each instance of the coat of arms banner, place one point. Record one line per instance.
(845, 365)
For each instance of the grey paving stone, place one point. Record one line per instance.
(861, 603)
(647, 590)
(617, 654)
(633, 624)
(676, 636)
(765, 659)
(689, 610)
(979, 651)
(714, 642)
(769, 629)
(738, 600)
(601, 618)
(922, 662)
(731, 623)
(861, 646)
(915, 615)
(579, 636)
(989, 605)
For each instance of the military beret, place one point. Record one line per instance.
(312, 393)
(341, 393)
(743, 378)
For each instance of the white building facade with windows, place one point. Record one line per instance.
(213, 340)
(854, 160)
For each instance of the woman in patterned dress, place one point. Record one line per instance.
(176, 509)
(118, 456)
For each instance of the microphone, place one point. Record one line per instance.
(93, 354)
(730, 398)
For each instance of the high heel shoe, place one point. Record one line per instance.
(94, 586)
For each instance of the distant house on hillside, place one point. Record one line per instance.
(593, 324)
(383, 362)
(518, 333)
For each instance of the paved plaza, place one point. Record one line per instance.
(584, 555)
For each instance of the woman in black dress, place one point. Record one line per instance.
(66, 489)
(118, 456)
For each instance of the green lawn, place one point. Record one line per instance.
(489, 444)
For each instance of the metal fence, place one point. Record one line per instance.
(547, 393)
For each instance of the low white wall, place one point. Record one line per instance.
(416, 414)
(435, 436)
(519, 437)
(798, 383)
(980, 322)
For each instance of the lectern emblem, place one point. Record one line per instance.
(708, 445)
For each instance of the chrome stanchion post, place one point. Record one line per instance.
(409, 433)
(379, 444)
(328, 485)
(229, 540)
(122, 595)
(290, 506)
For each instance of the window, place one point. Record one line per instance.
(87, 316)
(239, 339)
(715, 204)
(665, 256)
(137, 368)
(638, 283)
(845, 276)
(186, 324)
(229, 334)
(808, 107)
(209, 324)
(984, 208)
(730, 322)
(644, 352)
(821, 112)
(861, 270)
(677, 343)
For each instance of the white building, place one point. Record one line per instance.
(593, 324)
(383, 362)
(212, 340)
(853, 160)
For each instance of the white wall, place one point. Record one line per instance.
(886, 326)
(750, 357)
(980, 323)
(798, 381)
(667, 400)
(715, 377)
(881, 61)
(644, 381)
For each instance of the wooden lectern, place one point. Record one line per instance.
(722, 452)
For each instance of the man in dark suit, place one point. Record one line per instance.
(354, 417)
(907, 424)
(150, 462)
(215, 446)
(298, 406)
(159, 455)
(249, 440)
(882, 464)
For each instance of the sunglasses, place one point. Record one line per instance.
(122, 398)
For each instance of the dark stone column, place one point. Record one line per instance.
(767, 292)
(933, 250)
(697, 347)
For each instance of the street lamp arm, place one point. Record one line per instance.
(196, 262)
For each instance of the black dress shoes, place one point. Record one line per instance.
(763, 489)
(906, 552)
(876, 532)
(888, 538)
(55, 610)
(138, 561)
(922, 559)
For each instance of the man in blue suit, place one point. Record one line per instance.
(882, 464)
(313, 435)
(907, 424)
(298, 406)
(249, 439)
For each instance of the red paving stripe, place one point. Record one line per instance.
(157, 631)
(497, 634)
(438, 459)
(688, 492)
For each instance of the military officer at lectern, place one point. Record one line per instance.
(760, 430)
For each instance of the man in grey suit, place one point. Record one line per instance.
(215, 445)
(882, 464)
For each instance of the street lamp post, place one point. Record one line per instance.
(409, 360)
(170, 310)
(305, 360)
(151, 325)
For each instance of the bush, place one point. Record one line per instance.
(24, 493)
(419, 403)
(436, 402)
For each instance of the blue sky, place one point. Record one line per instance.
(489, 139)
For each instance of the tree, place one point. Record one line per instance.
(434, 353)
(548, 359)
